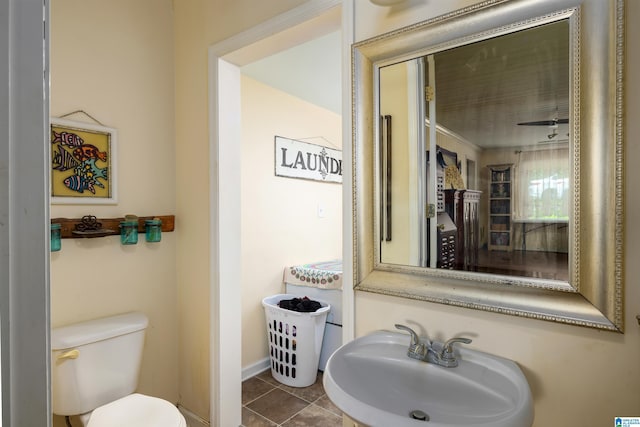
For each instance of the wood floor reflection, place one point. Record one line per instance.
(541, 265)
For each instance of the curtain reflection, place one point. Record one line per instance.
(543, 185)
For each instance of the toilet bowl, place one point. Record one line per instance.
(136, 410)
(95, 367)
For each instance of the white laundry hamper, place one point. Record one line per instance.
(295, 341)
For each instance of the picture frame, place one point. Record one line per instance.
(83, 163)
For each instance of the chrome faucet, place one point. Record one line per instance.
(421, 348)
(446, 356)
(418, 347)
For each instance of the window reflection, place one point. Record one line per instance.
(544, 185)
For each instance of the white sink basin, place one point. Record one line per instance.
(372, 380)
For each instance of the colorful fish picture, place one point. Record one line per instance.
(82, 163)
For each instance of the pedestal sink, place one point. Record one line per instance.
(372, 380)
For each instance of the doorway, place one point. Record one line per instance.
(293, 96)
(226, 58)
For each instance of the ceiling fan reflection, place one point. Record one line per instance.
(553, 122)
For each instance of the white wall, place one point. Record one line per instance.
(310, 71)
(280, 222)
(578, 376)
(115, 61)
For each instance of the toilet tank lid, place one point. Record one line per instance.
(96, 330)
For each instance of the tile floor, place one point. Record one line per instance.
(267, 403)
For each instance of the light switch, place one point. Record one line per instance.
(321, 211)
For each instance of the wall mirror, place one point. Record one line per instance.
(488, 160)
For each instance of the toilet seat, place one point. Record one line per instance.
(137, 410)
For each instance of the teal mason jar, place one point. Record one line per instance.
(55, 237)
(129, 232)
(153, 230)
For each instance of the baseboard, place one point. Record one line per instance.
(256, 368)
(193, 420)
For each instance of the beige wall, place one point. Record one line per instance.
(578, 376)
(280, 223)
(199, 24)
(403, 247)
(115, 61)
(192, 172)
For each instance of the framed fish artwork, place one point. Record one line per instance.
(83, 163)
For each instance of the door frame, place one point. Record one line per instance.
(24, 213)
(225, 59)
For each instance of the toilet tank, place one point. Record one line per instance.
(95, 362)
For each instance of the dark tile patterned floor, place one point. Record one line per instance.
(267, 403)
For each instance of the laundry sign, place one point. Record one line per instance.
(297, 159)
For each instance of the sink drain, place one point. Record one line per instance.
(419, 415)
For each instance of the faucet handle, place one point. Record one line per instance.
(447, 348)
(417, 349)
(415, 339)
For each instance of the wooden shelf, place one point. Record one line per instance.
(110, 226)
(500, 207)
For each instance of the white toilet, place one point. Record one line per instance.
(94, 372)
